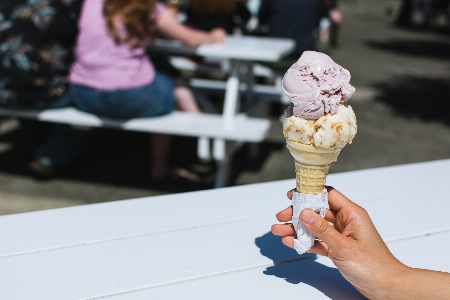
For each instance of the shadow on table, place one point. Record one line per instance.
(415, 96)
(296, 269)
(420, 48)
(244, 160)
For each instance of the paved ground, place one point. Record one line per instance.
(403, 86)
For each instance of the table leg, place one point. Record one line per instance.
(231, 95)
(253, 148)
(222, 160)
(203, 149)
(220, 153)
(250, 81)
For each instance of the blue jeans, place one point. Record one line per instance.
(151, 100)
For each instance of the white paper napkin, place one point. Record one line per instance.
(319, 204)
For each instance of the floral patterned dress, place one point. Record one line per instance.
(36, 43)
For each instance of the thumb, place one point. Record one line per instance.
(321, 229)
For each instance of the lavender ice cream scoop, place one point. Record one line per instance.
(316, 85)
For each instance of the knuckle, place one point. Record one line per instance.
(363, 212)
(321, 226)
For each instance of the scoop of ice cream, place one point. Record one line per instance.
(329, 131)
(316, 85)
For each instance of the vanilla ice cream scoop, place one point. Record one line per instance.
(316, 85)
(331, 131)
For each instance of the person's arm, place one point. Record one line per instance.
(362, 257)
(243, 12)
(419, 284)
(264, 13)
(170, 27)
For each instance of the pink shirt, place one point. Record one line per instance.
(99, 62)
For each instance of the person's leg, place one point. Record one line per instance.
(336, 19)
(154, 100)
(184, 98)
(61, 146)
(159, 146)
(63, 143)
(428, 12)
(323, 41)
(404, 16)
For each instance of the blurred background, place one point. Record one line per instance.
(398, 53)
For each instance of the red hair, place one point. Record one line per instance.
(135, 15)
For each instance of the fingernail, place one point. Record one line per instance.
(308, 216)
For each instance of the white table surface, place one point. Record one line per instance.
(248, 48)
(215, 244)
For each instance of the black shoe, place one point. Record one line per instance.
(197, 177)
(42, 166)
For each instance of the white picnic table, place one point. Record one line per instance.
(215, 244)
(238, 51)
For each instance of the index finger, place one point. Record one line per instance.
(289, 194)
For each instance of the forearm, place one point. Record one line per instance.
(418, 284)
(196, 38)
(171, 28)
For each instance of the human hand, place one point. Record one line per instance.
(218, 35)
(167, 25)
(351, 242)
(336, 16)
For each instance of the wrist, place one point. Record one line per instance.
(392, 284)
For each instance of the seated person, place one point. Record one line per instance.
(36, 44)
(231, 15)
(112, 76)
(291, 19)
(329, 23)
(184, 97)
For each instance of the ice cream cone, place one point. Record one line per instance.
(317, 126)
(311, 166)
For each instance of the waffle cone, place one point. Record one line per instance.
(311, 166)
